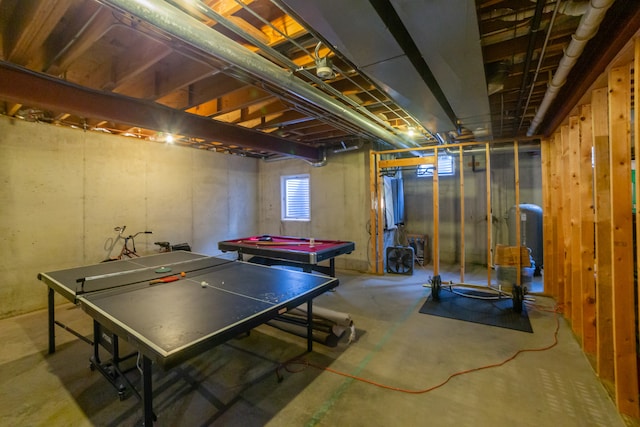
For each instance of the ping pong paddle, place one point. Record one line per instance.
(164, 280)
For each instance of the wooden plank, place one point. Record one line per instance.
(548, 249)
(374, 192)
(574, 220)
(436, 222)
(373, 196)
(624, 323)
(516, 186)
(587, 239)
(551, 266)
(558, 220)
(487, 155)
(604, 291)
(407, 161)
(380, 220)
(636, 152)
(565, 211)
(32, 28)
(462, 239)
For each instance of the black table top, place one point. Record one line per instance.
(171, 322)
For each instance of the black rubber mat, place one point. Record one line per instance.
(487, 312)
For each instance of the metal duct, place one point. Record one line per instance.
(587, 28)
(190, 30)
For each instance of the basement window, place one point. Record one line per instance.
(296, 204)
(445, 168)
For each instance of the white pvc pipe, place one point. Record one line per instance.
(587, 28)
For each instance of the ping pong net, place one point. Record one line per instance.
(119, 279)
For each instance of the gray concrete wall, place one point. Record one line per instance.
(419, 205)
(339, 203)
(63, 191)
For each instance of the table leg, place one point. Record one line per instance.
(96, 343)
(52, 322)
(332, 267)
(147, 392)
(309, 325)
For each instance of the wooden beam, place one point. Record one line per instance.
(636, 152)
(32, 27)
(566, 206)
(462, 239)
(624, 310)
(575, 247)
(408, 161)
(380, 220)
(588, 291)
(604, 290)
(516, 187)
(436, 220)
(548, 235)
(373, 210)
(487, 177)
(558, 220)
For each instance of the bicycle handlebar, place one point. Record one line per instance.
(120, 230)
(140, 232)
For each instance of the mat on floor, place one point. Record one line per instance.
(487, 312)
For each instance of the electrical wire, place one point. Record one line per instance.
(302, 364)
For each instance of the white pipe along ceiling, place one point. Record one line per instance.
(593, 16)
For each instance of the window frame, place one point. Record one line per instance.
(443, 170)
(285, 208)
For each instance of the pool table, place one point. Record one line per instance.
(300, 252)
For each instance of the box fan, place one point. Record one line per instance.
(400, 260)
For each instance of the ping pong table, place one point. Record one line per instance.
(168, 323)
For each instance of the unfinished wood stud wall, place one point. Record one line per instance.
(589, 257)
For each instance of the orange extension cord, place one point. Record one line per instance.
(287, 366)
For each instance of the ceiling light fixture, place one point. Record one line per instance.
(324, 67)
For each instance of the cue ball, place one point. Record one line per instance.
(203, 284)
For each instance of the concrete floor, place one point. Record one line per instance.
(236, 383)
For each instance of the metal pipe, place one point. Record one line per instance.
(587, 28)
(540, 59)
(533, 33)
(191, 31)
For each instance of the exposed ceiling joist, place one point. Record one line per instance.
(253, 65)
